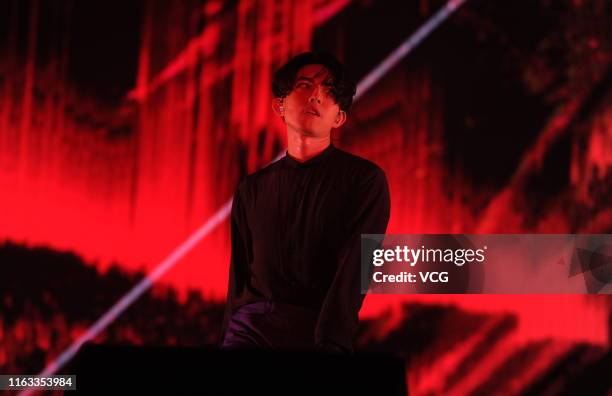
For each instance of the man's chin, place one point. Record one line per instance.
(309, 130)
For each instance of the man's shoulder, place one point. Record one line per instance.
(357, 164)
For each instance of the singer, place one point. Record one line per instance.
(294, 279)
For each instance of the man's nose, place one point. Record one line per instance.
(315, 94)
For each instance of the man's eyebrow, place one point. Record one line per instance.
(304, 78)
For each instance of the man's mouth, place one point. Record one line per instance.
(313, 112)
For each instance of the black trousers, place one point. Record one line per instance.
(271, 325)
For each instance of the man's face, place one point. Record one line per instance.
(310, 109)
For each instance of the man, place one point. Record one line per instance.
(295, 227)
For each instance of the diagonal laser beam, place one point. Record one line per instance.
(139, 289)
(223, 213)
(412, 42)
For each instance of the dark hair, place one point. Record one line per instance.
(342, 90)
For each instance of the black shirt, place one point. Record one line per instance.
(295, 230)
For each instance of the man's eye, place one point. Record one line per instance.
(302, 84)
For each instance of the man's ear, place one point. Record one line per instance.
(278, 107)
(340, 119)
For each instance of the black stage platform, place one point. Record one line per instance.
(108, 370)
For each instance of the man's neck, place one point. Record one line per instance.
(302, 148)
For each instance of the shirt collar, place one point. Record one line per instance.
(292, 162)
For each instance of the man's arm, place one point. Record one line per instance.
(369, 214)
(240, 257)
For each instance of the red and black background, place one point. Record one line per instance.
(124, 126)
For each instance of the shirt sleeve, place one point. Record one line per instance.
(369, 214)
(240, 257)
